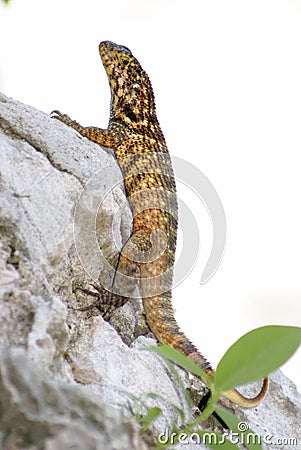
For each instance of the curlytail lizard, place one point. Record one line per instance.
(140, 148)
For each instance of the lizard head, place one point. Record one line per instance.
(132, 98)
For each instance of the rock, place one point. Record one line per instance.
(38, 412)
(68, 380)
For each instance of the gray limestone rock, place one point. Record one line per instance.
(68, 380)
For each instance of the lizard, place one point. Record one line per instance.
(135, 135)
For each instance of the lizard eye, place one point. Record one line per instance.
(124, 61)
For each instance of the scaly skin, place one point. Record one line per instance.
(140, 148)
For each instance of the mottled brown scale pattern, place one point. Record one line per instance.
(139, 145)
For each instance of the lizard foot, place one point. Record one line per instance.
(62, 117)
(104, 307)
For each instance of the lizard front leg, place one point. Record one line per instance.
(101, 136)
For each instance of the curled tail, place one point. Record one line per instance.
(160, 318)
(245, 402)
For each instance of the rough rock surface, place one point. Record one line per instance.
(67, 379)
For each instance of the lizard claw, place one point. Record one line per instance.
(55, 113)
(59, 116)
(64, 118)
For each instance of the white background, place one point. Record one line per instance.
(226, 75)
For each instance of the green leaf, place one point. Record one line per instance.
(255, 355)
(250, 439)
(177, 357)
(151, 415)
